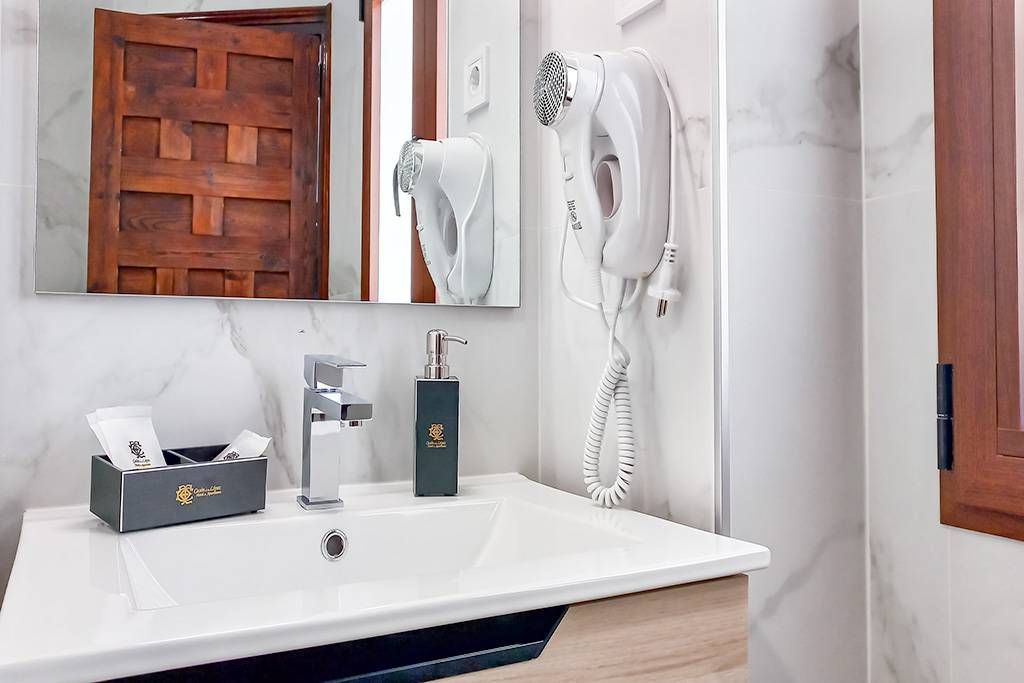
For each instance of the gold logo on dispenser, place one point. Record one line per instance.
(187, 493)
(436, 434)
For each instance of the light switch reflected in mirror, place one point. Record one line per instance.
(247, 149)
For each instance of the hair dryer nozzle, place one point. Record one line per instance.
(410, 164)
(551, 89)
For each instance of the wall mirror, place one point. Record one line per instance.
(362, 150)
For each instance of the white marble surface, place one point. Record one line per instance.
(908, 548)
(794, 96)
(672, 374)
(898, 109)
(945, 603)
(210, 369)
(795, 354)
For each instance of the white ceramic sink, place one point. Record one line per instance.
(275, 555)
(85, 603)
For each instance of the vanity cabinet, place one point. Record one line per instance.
(694, 632)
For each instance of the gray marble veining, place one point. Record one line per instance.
(795, 430)
(784, 114)
(898, 657)
(886, 160)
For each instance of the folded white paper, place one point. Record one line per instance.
(127, 437)
(246, 445)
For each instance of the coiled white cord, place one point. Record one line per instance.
(612, 390)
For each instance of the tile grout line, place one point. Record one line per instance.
(949, 605)
(897, 195)
(865, 359)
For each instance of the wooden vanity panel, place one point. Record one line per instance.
(696, 632)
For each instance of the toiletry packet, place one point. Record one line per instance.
(246, 445)
(127, 437)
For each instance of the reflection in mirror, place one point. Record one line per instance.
(1018, 71)
(365, 150)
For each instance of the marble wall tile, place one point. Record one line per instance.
(213, 368)
(795, 435)
(898, 97)
(794, 96)
(794, 362)
(672, 374)
(908, 550)
(986, 600)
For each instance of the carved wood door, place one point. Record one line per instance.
(204, 160)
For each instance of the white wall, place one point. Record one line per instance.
(672, 374)
(213, 368)
(65, 114)
(794, 432)
(946, 604)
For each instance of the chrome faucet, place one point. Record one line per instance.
(324, 399)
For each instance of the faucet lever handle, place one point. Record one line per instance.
(327, 369)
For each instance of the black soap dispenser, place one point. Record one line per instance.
(437, 421)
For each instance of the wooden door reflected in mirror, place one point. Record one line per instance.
(206, 147)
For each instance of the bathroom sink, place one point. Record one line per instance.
(266, 556)
(86, 603)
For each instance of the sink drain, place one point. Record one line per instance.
(334, 545)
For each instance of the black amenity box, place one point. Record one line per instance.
(191, 488)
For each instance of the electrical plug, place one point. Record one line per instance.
(662, 285)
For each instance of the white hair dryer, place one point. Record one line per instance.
(452, 182)
(612, 121)
(616, 125)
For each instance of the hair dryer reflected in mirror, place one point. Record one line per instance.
(451, 182)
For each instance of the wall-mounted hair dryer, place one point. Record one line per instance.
(452, 182)
(612, 121)
(616, 123)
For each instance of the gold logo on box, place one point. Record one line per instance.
(436, 436)
(187, 493)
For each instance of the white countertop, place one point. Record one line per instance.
(85, 603)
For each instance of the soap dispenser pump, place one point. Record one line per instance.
(437, 420)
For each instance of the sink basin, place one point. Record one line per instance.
(257, 556)
(86, 603)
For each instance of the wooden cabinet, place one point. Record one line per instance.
(695, 632)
